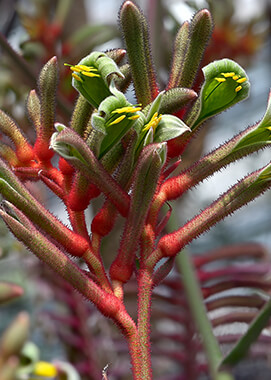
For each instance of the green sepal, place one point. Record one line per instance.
(154, 106)
(148, 139)
(169, 127)
(261, 135)
(216, 96)
(96, 89)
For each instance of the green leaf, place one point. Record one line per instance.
(226, 84)
(242, 347)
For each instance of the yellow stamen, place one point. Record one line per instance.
(268, 128)
(228, 75)
(235, 77)
(118, 120)
(45, 369)
(77, 77)
(220, 79)
(238, 88)
(86, 68)
(76, 69)
(134, 117)
(89, 74)
(128, 109)
(241, 80)
(153, 123)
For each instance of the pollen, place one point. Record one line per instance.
(118, 120)
(241, 80)
(220, 80)
(235, 77)
(74, 75)
(153, 123)
(228, 75)
(238, 88)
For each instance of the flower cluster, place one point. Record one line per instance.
(122, 152)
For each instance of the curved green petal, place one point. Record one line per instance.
(94, 82)
(226, 84)
(169, 127)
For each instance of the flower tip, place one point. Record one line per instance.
(127, 5)
(53, 60)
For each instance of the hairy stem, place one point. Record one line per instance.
(145, 285)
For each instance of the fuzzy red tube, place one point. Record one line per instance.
(104, 220)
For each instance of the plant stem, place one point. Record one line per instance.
(199, 313)
(145, 285)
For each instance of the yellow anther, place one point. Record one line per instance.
(268, 128)
(76, 69)
(235, 77)
(153, 123)
(118, 120)
(77, 77)
(228, 75)
(45, 369)
(220, 79)
(128, 109)
(238, 88)
(134, 117)
(90, 74)
(241, 80)
(85, 68)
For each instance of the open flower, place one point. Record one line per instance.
(93, 75)
(115, 116)
(225, 84)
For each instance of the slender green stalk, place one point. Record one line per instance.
(243, 345)
(199, 313)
